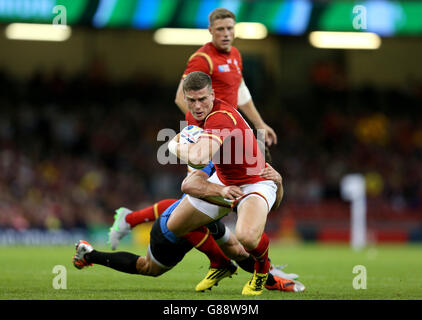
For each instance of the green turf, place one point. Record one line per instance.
(393, 272)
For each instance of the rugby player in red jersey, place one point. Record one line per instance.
(229, 142)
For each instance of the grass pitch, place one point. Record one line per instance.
(393, 273)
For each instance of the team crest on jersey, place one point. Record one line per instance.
(224, 68)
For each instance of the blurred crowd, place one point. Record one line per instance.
(73, 151)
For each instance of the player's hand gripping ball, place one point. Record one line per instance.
(191, 134)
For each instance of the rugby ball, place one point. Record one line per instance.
(190, 134)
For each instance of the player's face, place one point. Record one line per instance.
(222, 31)
(200, 102)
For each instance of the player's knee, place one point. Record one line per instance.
(147, 268)
(176, 227)
(141, 265)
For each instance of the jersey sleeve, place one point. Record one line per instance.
(199, 61)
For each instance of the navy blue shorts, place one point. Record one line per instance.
(164, 252)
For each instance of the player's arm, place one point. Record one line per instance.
(247, 106)
(195, 154)
(272, 174)
(196, 184)
(197, 62)
(180, 98)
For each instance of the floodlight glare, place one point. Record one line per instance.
(250, 30)
(184, 36)
(37, 32)
(345, 40)
(181, 36)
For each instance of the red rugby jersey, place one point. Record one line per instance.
(224, 68)
(239, 160)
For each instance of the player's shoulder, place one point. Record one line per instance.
(223, 105)
(222, 112)
(234, 50)
(236, 53)
(201, 58)
(206, 49)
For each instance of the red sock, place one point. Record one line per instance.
(150, 213)
(201, 240)
(260, 254)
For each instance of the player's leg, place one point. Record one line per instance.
(220, 266)
(198, 238)
(125, 262)
(125, 220)
(120, 227)
(167, 249)
(185, 218)
(162, 255)
(277, 279)
(235, 251)
(150, 213)
(252, 211)
(252, 216)
(227, 241)
(148, 267)
(196, 233)
(201, 240)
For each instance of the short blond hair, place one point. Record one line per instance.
(220, 13)
(197, 80)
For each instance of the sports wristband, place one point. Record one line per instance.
(172, 146)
